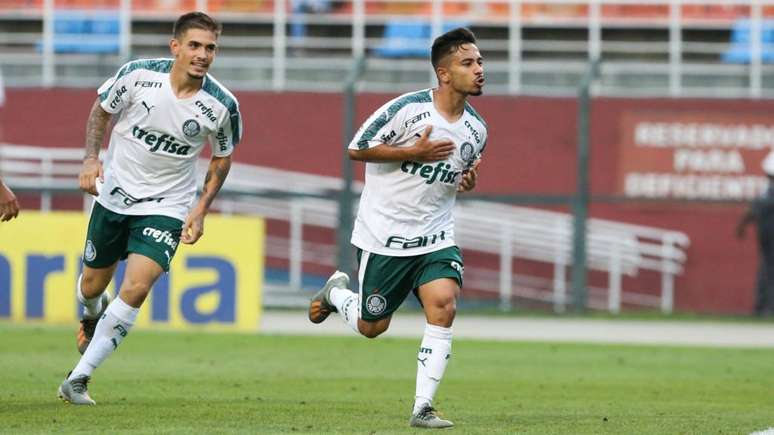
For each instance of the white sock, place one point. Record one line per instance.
(91, 306)
(109, 333)
(347, 303)
(434, 354)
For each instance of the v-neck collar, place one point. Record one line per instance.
(440, 115)
(183, 100)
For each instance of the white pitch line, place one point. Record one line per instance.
(411, 325)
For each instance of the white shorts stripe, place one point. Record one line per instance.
(361, 278)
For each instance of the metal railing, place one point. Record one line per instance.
(531, 46)
(507, 232)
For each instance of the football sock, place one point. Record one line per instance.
(347, 303)
(434, 354)
(110, 331)
(91, 306)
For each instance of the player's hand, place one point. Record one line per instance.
(469, 178)
(426, 150)
(193, 229)
(91, 170)
(9, 206)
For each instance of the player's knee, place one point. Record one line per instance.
(88, 283)
(135, 288)
(370, 330)
(92, 285)
(446, 310)
(371, 333)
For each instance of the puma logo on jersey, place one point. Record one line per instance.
(146, 107)
(164, 142)
(440, 172)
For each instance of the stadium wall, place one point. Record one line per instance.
(531, 149)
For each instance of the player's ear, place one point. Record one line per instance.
(174, 46)
(443, 74)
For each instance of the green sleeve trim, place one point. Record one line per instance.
(229, 102)
(158, 65)
(386, 116)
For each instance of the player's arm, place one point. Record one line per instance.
(216, 175)
(9, 206)
(469, 178)
(96, 127)
(423, 150)
(746, 219)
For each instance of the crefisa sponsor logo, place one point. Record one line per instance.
(163, 142)
(117, 98)
(206, 111)
(440, 171)
(160, 236)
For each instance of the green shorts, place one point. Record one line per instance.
(112, 236)
(386, 281)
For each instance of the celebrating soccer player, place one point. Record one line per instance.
(169, 109)
(420, 149)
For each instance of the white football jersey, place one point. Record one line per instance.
(406, 207)
(150, 168)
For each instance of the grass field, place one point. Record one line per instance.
(167, 382)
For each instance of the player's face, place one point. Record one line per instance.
(195, 51)
(465, 69)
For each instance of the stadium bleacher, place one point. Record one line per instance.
(529, 9)
(544, 51)
(410, 38)
(741, 42)
(86, 31)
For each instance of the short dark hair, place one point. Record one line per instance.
(195, 20)
(450, 42)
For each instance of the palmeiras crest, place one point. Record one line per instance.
(191, 128)
(90, 253)
(376, 304)
(467, 154)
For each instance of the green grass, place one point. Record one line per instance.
(166, 382)
(631, 315)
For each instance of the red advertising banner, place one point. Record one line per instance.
(693, 155)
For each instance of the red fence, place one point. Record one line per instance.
(531, 149)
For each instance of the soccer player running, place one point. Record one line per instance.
(146, 194)
(420, 149)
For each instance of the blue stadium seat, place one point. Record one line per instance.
(96, 32)
(739, 52)
(409, 38)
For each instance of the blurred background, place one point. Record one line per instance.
(626, 139)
